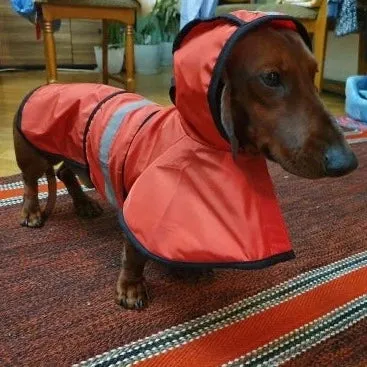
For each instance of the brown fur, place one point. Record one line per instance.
(289, 124)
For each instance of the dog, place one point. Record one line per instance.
(262, 103)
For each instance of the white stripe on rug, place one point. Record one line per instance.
(181, 334)
(304, 338)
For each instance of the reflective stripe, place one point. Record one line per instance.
(106, 142)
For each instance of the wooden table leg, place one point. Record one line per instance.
(129, 59)
(50, 51)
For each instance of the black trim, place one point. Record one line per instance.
(216, 85)
(185, 31)
(143, 124)
(233, 19)
(26, 67)
(136, 133)
(249, 265)
(18, 115)
(18, 122)
(189, 26)
(90, 119)
(76, 166)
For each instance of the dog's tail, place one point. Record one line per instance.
(52, 190)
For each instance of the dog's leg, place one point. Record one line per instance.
(33, 166)
(131, 290)
(31, 215)
(84, 206)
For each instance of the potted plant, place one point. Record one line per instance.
(169, 23)
(115, 49)
(147, 44)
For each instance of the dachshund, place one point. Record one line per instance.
(286, 121)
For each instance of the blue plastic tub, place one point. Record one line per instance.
(356, 98)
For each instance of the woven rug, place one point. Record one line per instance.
(57, 287)
(353, 129)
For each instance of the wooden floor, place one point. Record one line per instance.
(14, 86)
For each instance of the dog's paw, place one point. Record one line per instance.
(132, 296)
(31, 219)
(88, 208)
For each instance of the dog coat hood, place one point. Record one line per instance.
(181, 197)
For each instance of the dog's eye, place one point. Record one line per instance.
(271, 79)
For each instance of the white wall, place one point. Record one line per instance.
(341, 57)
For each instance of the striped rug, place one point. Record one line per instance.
(257, 331)
(355, 131)
(57, 291)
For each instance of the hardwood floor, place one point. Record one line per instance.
(15, 85)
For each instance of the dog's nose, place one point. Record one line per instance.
(339, 160)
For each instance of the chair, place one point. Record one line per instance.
(123, 11)
(313, 19)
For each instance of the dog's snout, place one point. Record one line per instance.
(339, 161)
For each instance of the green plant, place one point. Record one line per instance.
(168, 17)
(147, 30)
(116, 35)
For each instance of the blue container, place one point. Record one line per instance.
(356, 97)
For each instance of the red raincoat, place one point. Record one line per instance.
(169, 171)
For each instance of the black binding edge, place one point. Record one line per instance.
(47, 155)
(89, 122)
(146, 119)
(248, 265)
(186, 30)
(52, 156)
(216, 84)
(18, 115)
(189, 26)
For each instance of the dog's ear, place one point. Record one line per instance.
(226, 118)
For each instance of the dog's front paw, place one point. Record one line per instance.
(32, 219)
(87, 208)
(132, 295)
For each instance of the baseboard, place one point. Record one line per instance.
(334, 86)
(42, 67)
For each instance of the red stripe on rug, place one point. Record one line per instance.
(357, 136)
(10, 193)
(235, 340)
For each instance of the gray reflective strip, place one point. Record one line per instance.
(106, 142)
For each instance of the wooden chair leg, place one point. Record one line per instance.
(50, 51)
(105, 51)
(320, 38)
(362, 66)
(129, 59)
